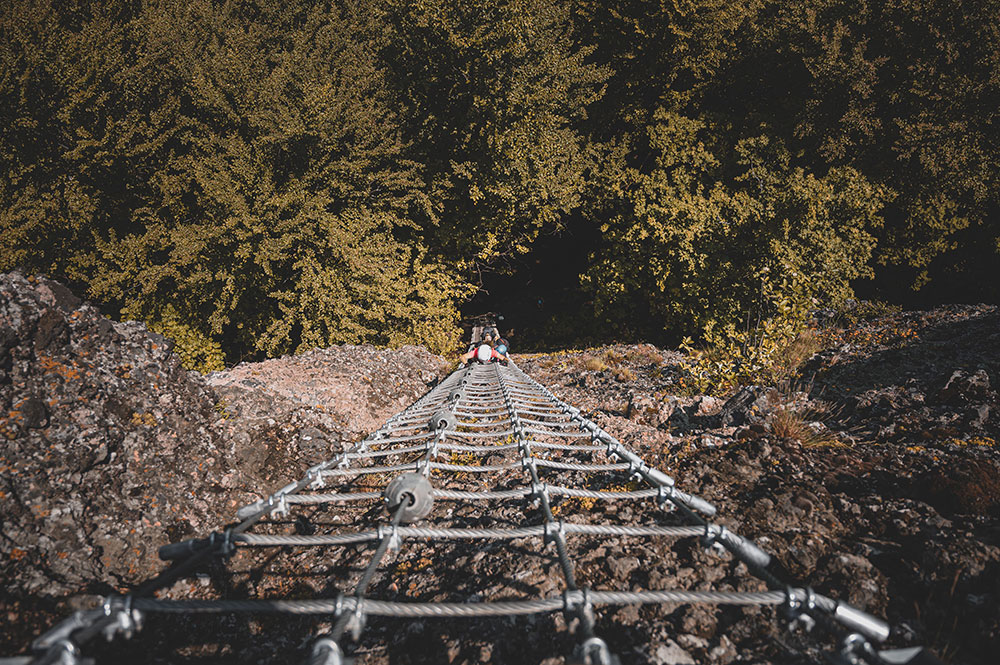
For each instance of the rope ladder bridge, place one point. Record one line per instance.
(522, 452)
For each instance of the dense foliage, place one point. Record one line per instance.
(262, 177)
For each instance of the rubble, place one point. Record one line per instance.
(890, 498)
(894, 505)
(112, 449)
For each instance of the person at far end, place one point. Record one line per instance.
(500, 349)
(487, 338)
(486, 353)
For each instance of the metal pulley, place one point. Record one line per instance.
(442, 420)
(411, 493)
(456, 395)
(593, 651)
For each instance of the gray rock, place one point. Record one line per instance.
(51, 331)
(622, 567)
(963, 387)
(707, 406)
(670, 653)
(750, 404)
(979, 415)
(647, 410)
(34, 413)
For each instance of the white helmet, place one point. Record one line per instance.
(484, 353)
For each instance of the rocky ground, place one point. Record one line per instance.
(873, 476)
(111, 449)
(876, 473)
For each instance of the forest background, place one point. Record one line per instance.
(262, 177)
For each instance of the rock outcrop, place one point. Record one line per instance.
(110, 448)
(890, 495)
(875, 477)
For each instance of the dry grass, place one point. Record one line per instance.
(788, 425)
(618, 362)
(805, 423)
(799, 350)
(644, 354)
(623, 374)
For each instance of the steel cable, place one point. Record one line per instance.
(430, 425)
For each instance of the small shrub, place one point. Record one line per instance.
(644, 354)
(593, 364)
(197, 351)
(786, 362)
(146, 419)
(222, 408)
(613, 357)
(795, 419)
(789, 425)
(742, 357)
(623, 374)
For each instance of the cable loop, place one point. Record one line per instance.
(554, 531)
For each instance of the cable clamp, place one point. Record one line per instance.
(856, 650)
(554, 531)
(390, 534)
(223, 542)
(572, 599)
(593, 651)
(664, 494)
(357, 621)
(328, 651)
(713, 535)
(793, 604)
(798, 604)
(577, 604)
(124, 618)
(66, 652)
(315, 477)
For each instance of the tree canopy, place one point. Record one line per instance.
(262, 177)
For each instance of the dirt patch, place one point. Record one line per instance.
(967, 487)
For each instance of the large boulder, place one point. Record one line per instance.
(112, 449)
(750, 404)
(109, 450)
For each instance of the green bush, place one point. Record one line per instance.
(197, 351)
(704, 250)
(245, 165)
(742, 357)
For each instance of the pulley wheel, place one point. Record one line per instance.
(411, 493)
(442, 420)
